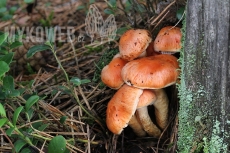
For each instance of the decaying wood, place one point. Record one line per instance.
(206, 75)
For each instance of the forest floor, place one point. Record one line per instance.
(73, 103)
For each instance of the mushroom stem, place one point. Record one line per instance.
(136, 126)
(147, 123)
(161, 108)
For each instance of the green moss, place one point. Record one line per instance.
(189, 130)
(186, 130)
(216, 143)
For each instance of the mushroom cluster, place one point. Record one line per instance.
(139, 73)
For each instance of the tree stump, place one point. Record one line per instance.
(204, 89)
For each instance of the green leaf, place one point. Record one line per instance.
(28, 131)
(128, 6)
(36, 125)
(54, 92)
(43, 127)
(14, 93)
(3, 50)
(21, 91)
(84, 81)
(64, 89)
(3, 3)
(29, 68)
(141, 8)
(122, 30)
(31, 101)
(8, 83)
(10, 131)
(2, 94)
(63, 119)
(31, 82)
(57, 144)
(2, 122)
(3, 10)
(28, 1)
(19, 144)
(2, 111)
(36, 49)
(3, 36)
(4, 67)
(15, 44)
(26, 150)
(180, 12)
(7, 58)
(16, 114)
(67, 151)
(80, 7)
(108, 11)
(91, 1)
(30, 113)
(113, 3)
(12, 10)
(76, 81)
(7, 17)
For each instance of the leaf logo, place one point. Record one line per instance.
(95, 25)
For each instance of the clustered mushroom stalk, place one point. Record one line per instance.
(148, 97)
(141, 81)
(135, 124)
(161, 108)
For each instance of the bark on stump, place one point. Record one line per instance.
(204, 92)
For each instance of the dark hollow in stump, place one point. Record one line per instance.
(204, 92)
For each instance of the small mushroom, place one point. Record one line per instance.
(168, 40)
(122, 107)
(111, 73)
(133, 43)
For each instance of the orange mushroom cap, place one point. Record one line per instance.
(121, 107)
(133, 43)
(147, 97)
(168, 58)
(168, 40)
(152, 72)
(111, 73)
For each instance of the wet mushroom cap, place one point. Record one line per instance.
(151, 72)
(111, 73)
(168, 40)
(133, 43)
(122, 107)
